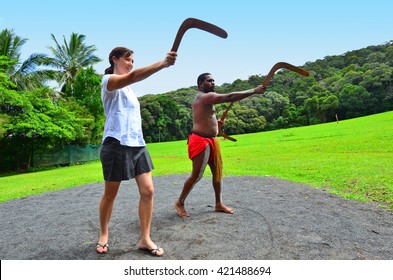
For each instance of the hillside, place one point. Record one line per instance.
(354, 84)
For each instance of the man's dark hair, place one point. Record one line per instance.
(202, 78)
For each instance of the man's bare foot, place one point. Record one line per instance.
(181, 211)
(151, 248)
(222, 208)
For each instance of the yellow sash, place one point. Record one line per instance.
(217, 160)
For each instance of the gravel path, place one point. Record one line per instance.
(274, 219)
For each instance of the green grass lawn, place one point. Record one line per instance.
(352, 158)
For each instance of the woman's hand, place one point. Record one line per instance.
(170, 59)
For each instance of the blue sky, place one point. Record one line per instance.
(260, 33)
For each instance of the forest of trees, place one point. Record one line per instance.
(35, 117)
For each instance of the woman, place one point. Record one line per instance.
(124, 155)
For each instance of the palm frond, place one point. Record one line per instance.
(72, 56)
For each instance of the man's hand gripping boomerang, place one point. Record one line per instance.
(277, 66)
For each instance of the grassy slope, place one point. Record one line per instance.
(353, 158)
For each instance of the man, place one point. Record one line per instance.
(203, 145)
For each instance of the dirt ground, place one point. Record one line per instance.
(274, 220)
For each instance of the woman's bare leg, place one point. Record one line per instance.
(106, 207)
(146, 204)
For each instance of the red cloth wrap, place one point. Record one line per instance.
(197, 144)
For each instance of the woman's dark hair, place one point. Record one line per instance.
(117, 52)
(202, 78)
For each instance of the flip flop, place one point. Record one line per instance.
(152, 251)
(105, 248)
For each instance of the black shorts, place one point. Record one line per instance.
(121, 162)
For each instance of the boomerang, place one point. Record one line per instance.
(199, 24)
(277, 66)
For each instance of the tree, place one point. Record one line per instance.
(71, 57)
(250, 119)
(31, 121)
(376, 76)
(355, 101)
(328, 107)
(27, 75)
(311, 106)
(279, 102)
(87, 93)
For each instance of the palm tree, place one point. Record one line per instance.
(27, 75)
(71, 57)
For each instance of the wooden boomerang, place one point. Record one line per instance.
(200, 24)
(277, 66)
